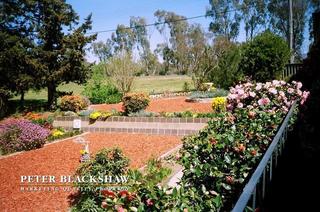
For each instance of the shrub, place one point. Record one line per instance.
(271, 96)
(219, 104)
(107, 162)
(135, 102)
(225, 68)
(264, 57)
(102, 93)
(21, 134)
(73, 103)
(186, 87)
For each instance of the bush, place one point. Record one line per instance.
(102, 93)
(135, 102)
(265, 57)
(73, 103)
(21, 134)
(186, 87)
(225, 70)
(107, 162)
(270, 96)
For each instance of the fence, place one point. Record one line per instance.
(255, 190)
(291, 69)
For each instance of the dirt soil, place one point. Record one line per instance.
(62, 159)
(164, 105)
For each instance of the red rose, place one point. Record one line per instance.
(124, 193)
(108, 193)
(229, 179)
(104, 205)
(213, 141)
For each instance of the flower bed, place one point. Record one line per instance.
(219, 160)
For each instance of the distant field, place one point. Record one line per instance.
(146, 84)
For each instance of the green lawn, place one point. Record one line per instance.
(146, 84)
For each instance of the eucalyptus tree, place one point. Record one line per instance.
(226, 17)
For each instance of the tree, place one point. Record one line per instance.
(17, 58)
(254, 15)
(123, 39)
(174, 51)
(226, 72)
(279, 20)
(122, 70)
(225, 18)
(103, 50)
(264, 57)
(61, 53)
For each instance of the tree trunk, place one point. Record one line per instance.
(52, 98)
(22, 99)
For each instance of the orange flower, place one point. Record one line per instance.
(253, 152)
(240, 148)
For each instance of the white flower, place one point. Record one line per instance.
(273, 91)
(252, 94)
(259, 86)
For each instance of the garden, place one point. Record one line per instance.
(196, 124)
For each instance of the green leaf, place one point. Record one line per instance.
(227, 159)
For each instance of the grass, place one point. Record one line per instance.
(149, 84)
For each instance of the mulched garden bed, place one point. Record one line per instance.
(176, 104)
(62, 158)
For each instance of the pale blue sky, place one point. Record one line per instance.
(107, 14)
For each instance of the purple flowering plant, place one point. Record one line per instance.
(21, 134)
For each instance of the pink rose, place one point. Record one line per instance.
(263, 101)
(299, 85)
(240, 91)
(259, 86)
(149, 202)
(240, 105)
(290, 90)
(232, 96)
(282, 94)
(282, 82)
(252, 94)
(273, 91)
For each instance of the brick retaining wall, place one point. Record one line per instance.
(146, 125)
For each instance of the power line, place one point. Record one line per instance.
(159, 23)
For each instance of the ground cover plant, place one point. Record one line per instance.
(21, 134)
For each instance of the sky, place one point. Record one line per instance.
(107, 14)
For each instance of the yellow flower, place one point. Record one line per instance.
(106, 115)
(95, 115)
(57, 133)
(82, 151)
(219, 104)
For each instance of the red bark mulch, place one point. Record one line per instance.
(62, 158)
(177, 104)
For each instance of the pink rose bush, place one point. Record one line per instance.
(272, 96)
